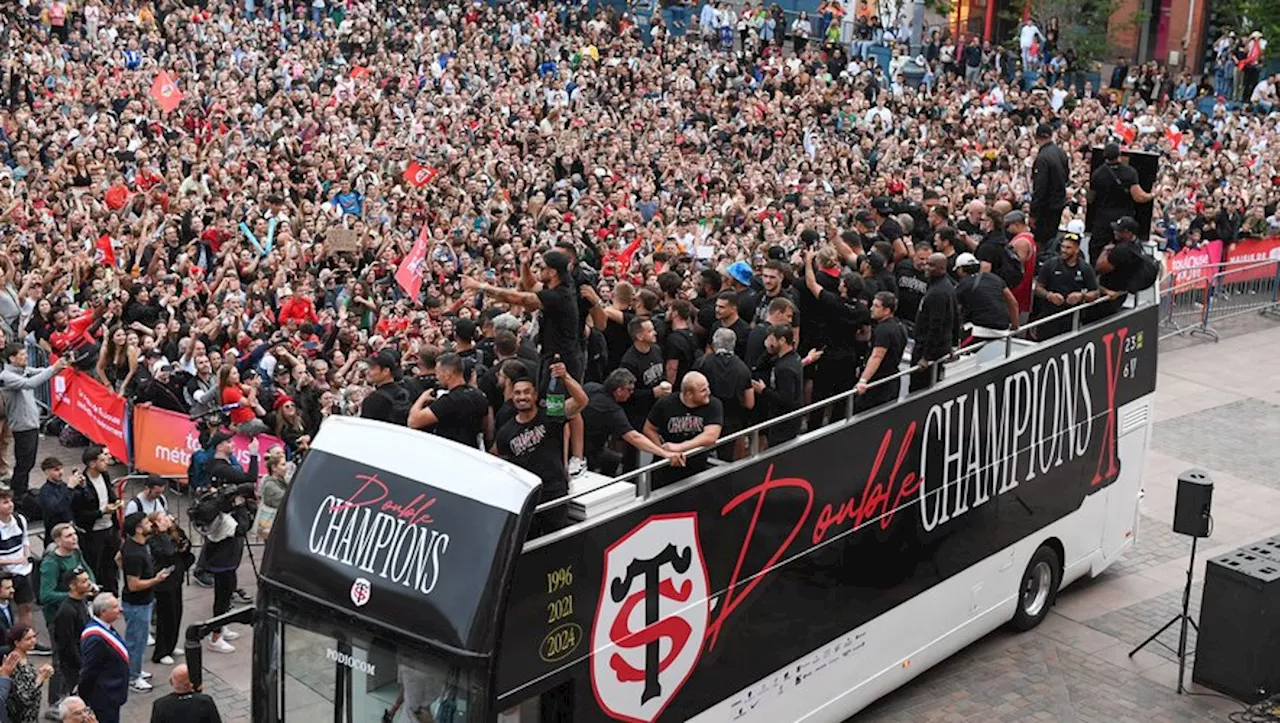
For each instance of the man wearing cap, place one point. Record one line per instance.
(1121, 261)
(552, 294)
(1065, 281)
(986, 304)
(1114, 190)
(381, 402)
(1049, 176)
(740, 283)
(1026, 247)
(162, 389)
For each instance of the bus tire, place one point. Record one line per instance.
(1037, 589)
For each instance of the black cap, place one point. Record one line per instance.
(865, 218)
(1125, 223)
(1111, 152)
(557, 261)
(1044, 130)
(219, 437)
(385, 358)
(883, 204)
(777, 253)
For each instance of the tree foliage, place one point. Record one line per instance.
(1085, 27)
(1246, 16)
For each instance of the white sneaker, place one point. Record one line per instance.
(140, 685)
(229, 634)
(146, 675)
(167, 660)
(151, 640)
(179, 653)
(577, 465)
(221, 646)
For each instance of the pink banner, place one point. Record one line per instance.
(164, 441)
(1191, 265)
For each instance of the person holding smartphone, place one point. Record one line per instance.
(140, 579)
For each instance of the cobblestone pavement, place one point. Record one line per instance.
(1075, 667)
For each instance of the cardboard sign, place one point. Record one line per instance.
(342, 239)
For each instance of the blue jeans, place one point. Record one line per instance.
(137, 626)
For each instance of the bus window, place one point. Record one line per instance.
(329, 671)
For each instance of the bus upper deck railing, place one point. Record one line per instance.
(1007, 338)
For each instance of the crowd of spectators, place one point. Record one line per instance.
(668, 235)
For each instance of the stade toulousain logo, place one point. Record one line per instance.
(651, 619)
(361, 590)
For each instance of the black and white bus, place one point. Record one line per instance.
(801, 583)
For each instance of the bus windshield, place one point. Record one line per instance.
(326, 669)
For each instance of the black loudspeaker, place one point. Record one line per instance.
(1238, 647)
(1191, 511)
(1148, 167)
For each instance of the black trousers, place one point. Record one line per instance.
(25, 447)
(1046, 226)
(832, 375)
(922, 379)
(168, 617)
(99, 548)
(224, 583)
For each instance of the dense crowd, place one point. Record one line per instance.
(651, 238)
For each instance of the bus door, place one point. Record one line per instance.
(385, 577)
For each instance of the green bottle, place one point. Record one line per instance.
(555, 394)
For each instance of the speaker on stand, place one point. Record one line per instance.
(1192, 516)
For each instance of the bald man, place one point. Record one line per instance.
(681, 422)
(184, 704)
(937, 328)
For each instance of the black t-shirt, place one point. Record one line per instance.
(137, 563)
(677, 423)
(1110, 184)
(728, 376)
(649, 368)
(683, 348)
(603, 418)
(991, 250)
(460, 414)
(912, 283)
(981, 298)
(537, 446)
(706, 316)
(1126, 260)
(740, 330)
(844, 319)
(1058, 278)
(892, 335)
(378, 404)
(559, 326)
(616, 338)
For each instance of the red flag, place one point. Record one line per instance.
(420, 175)
(106, 254)
(409, 275)
(166, 92)
(1174, 135)
(358, 71)
(1126, 131)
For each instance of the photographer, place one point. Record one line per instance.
(223, 516)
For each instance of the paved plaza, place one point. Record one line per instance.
(1217, 407)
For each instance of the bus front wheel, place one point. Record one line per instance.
(1038, 589)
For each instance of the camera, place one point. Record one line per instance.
(213, 501)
